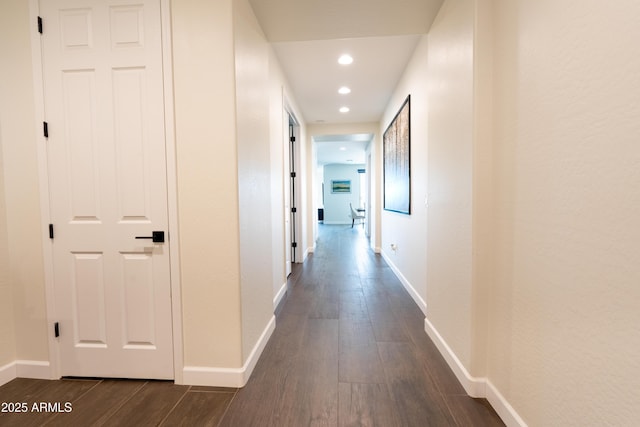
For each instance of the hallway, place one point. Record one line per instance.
(349, 349)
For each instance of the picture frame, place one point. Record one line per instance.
(396, 142)
(341, 186)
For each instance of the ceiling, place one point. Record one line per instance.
(308, 36)
(348, 149)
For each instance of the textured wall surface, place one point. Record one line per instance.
(536, 227)
(449, 264)
(20, 168)
(564, 334)
(7, 332)
(409, 232)
(254, 174)
(204, 87)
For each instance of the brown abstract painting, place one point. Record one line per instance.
(396, 147)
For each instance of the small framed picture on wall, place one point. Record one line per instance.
(341, 186)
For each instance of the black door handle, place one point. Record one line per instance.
(156, 237)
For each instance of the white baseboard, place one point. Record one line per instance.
(279, 295)
(7, 373)
(229, 377)
(502, 407)
(414, 294)
(213, 377)
(36, 369)
(474, 386)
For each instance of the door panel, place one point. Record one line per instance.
(81, 151)
(87, 290)
(139, 314)
(129, 109)
(104, 102)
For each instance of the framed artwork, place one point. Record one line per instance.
(396, 142)
(341, 186)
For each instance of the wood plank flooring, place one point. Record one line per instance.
(349, 349)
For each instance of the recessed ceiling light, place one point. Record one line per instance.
(345, 59)
(344, 109)
(344, 90)
(343, 148)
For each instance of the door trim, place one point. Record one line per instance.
(172, 192)
(299, 255)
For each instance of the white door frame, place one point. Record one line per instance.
(172, 193)
(286, 195)
(290, 115)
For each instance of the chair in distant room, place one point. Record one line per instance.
(355, 216)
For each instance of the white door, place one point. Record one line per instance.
(104, 105)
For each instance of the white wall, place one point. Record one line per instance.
(254, 175)
(319, 193)
(336, 205)
(409, 232)
(23, 271)
(450, 170)
(228, 309)
(279, 137)
(7, 332)
(261, 92)
(277, 145)
(564, 337)
(532, 258)
(204, 70)
(304, 199)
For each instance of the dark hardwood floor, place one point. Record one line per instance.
(349, 349)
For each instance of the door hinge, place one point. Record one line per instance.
(294, 210)
(292, 139)
(45, 129)
(293, 174)
(51, 231)
(39, 24)
(56, 329)
(294, 244)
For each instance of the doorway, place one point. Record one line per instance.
(106, 169)
(292, 191)
(343, 159)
